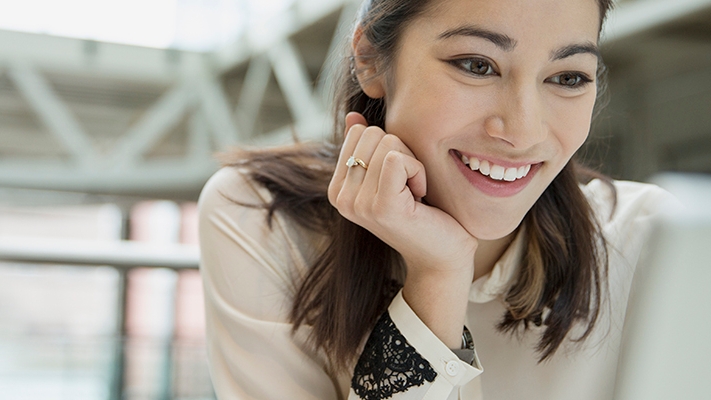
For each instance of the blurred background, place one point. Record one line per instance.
(111, 111)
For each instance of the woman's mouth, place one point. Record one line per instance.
(492, 178)
(494, 171)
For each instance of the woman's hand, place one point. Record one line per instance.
(385, 199)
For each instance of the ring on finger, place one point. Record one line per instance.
(353, 161)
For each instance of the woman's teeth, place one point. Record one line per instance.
(494, 171)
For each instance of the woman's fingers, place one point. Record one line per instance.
(354, 184)
(384, 199)
(398, 168)
(353, 131)
(401, 169)
(368, 143)
(354, 118)
(393, 180)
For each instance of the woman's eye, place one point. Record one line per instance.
(571, 80)
(475, 66)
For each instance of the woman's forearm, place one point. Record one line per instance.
(440, 298)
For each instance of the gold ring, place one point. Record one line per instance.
(353, 161)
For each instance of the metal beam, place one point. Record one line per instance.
(258, 41)
(199, 145)
(196, 92)
(252, 94)
(97, 59)
(120, 254)
(52, 112)
(155, 123)
(215, 106)
(158, 176)
(294, 81)
(316, 129)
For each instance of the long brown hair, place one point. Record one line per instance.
(351, 282)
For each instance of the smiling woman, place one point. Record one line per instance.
(447, 199)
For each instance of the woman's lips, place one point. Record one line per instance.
(494, 179)
(495, 171)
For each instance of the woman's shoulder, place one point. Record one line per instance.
(249, 266)
(619, 201)
(234, 218)
(626, 212)
(229, 186)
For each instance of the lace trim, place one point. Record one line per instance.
(388, 364)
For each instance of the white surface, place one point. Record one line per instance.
(667, 349)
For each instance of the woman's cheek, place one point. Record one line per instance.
(571, 120)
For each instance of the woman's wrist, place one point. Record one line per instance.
(440, 298)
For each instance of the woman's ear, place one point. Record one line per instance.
(364, 65)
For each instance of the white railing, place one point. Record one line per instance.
(118, 254)
(121, 255)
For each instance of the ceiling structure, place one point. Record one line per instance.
(85, 116)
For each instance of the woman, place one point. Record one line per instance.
(448, 210)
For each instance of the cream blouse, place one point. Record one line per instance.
(249, 273)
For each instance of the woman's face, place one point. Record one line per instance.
(508, 85)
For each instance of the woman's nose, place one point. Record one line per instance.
(518, 118)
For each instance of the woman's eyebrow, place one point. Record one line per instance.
(501, 41)
(573, 49)
(507, 43)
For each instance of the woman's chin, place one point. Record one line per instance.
(494, 230)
